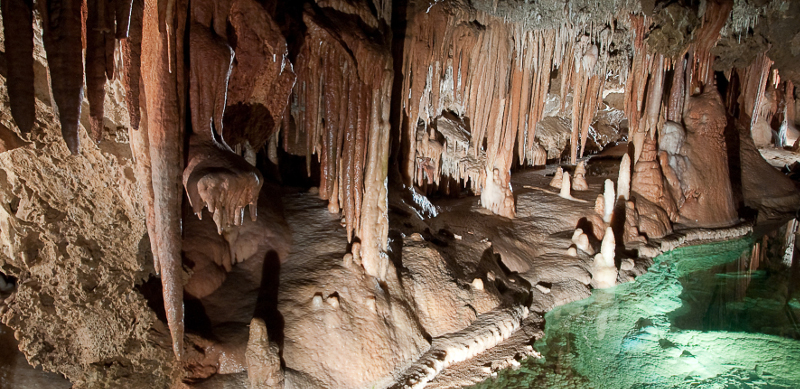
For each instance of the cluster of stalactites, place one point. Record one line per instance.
(760, 94)
(584, 74)
(644, 103)
(70, 27)
(496, 74)
(337, 100)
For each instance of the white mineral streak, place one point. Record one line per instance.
(484, 333)
(565, 187)
(624, 178)
(609, 197)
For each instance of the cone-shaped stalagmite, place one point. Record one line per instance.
(556, 181)
(604, 271)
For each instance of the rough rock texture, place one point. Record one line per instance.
(74, 235)
(442, 304)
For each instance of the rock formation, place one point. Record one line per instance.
(263, 359)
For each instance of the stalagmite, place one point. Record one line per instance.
(18, 17)
(556, 181)
(624, 177)
(581, 241)
(604, 270)
(263, 358)
(579, 182)
(706, 182)
(565, 187)
(648, 180)
(599, 205)
(631, 228)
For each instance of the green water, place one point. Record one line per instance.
(681, 325)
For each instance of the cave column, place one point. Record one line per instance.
(374, 231)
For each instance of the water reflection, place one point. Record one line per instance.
(751, 294)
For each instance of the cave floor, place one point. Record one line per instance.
(320, 296)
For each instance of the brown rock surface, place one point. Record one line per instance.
(705, 182)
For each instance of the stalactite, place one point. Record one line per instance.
(637, 76)
(140, 148)
(585, 90)
(210, 62)
(63, 26)
(18, 17)
(165, 136)
(496, 74)
(652, 113)
(99, 29)
(132, 61)
(714, 18)
(341, 106)
(755, 84)
(677, 92)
